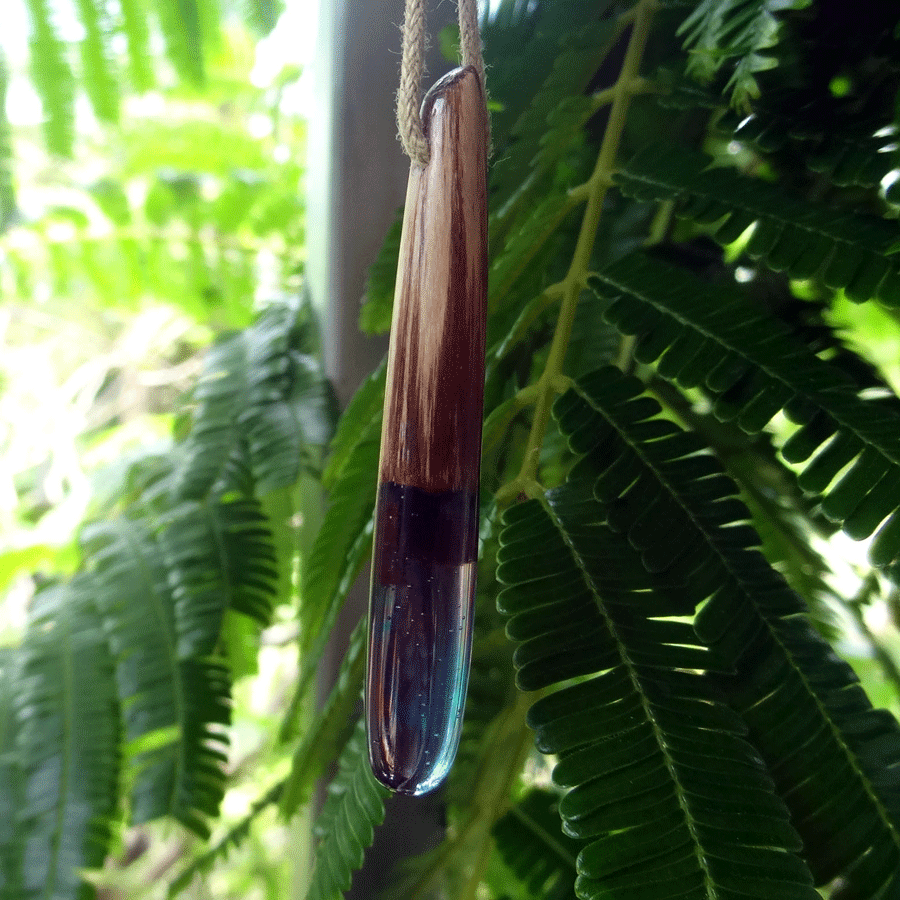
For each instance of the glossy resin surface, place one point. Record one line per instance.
(423, 585)
(426, 523)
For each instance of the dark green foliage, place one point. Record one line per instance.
(846, 160)
(343, 542)
(754, 368)
(262, 395)
(790, 234)
(233, 838)
(375, 315)
(179, 700)
(737, 35)
(326, 738)
(53, 79)
(680, 512)
(534, 847)
(353, 807)
(69, 775)
(197, 537)
(637, 735)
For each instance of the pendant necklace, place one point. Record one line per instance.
(426, 520)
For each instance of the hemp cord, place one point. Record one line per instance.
(412, 62)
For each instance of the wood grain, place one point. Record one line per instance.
(431, 438)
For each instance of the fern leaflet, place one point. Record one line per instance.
(173, 708)
(531, 843)
(354, 806)
(67, 745)
(802, 238)
(751, 364)
(736, 33)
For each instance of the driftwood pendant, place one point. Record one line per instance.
(426, 521)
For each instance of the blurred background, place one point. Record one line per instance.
(163, 180)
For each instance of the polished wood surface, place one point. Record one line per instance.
(431, 438)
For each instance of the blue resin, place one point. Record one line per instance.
(420, 633)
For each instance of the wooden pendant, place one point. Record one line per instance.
(426, 521)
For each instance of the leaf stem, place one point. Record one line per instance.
(549, 382)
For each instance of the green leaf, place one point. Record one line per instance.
(754, 367)
(137, 36)
(175, 709)
(100, 82)
(532, 844)
(360, 421)
(11, 779)
(52, 77)
(180, 23)
(7, 184)
(378, 304)
(67, 742)
(219, 556)
(353, 808)
(343, 541)
(232, 838)
(326, 737)
(261, 397)
(858, 155)
(263, 15)
(794, 235)
(736, 34)
(829, 753)
(645, 747)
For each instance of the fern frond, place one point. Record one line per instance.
(219, 556)
(326, 737)
(582, 49)
(343, 541)
(739, 34)
(180, 24)
(534, 847)
(645, 748)
(52, 76)
(7, 184)
(681, 513)
(259, 391)
(11, 781)
(100, 81)
(712, 337)
(234, 837)
(853, 157)
(137, 36)
(339, 551)
(360, 421)
(262, 15)
(353, 808)
(802, 238)
(378, 305)
(174, 709)
(67, 743)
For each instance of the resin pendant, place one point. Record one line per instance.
(426, 520)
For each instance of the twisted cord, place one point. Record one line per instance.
(412, 64)
(470, 37)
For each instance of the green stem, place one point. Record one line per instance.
(573, 283)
